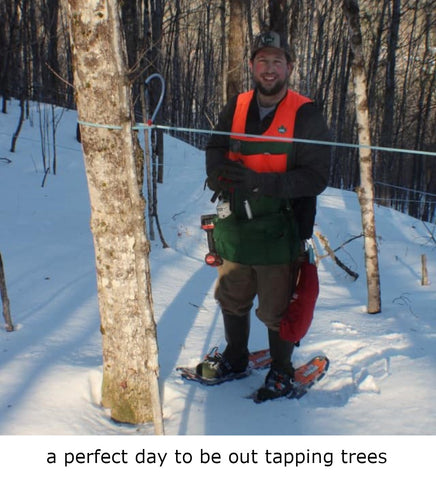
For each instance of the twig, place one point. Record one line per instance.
(47, 171)
(59, 76)
(348, 241)
(430, 232)
(403, 299)
(326, 245)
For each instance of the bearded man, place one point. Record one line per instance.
(267, 185)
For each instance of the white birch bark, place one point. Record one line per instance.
(365, 191)
(130, 367)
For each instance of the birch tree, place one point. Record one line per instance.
(365, 191)
(113, 169)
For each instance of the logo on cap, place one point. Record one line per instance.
(269, 39)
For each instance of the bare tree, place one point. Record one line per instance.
(278, 14)
(389, 103)
(130, 368)
(366, 189)
(235, 74)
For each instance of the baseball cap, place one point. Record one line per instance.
(271, 39)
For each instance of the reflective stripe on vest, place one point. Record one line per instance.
(263, 155)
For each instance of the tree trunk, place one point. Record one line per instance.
(235, 75)
(19, 126)
(222, 95)
(278, 16)
(387, 138)
(366, 189)
(130, 368)
(5, 299)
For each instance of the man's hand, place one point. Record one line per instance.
(234, 175)
(230, 175)
(240, 177)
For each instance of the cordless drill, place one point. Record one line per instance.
(212, 258)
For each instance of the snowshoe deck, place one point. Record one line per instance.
(305, 377)
(256, 360)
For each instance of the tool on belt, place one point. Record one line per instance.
(212, 258)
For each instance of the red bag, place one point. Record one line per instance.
(298, 317)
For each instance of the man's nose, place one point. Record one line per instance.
(270, 66)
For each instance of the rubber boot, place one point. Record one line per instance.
(237, 331)
(281, 352)
(278, 382)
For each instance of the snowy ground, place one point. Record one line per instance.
(381, 379)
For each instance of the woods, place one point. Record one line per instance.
(200, 49)
(188, 44)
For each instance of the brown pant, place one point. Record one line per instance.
(238, 285)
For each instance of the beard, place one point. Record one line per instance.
(271, 91)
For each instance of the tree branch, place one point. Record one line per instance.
(331, 253)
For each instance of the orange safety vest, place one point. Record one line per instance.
(263, 154)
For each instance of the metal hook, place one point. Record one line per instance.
(162, 93)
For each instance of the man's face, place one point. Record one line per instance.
(270, 71)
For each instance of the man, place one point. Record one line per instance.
(267, 190)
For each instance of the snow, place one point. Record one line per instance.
(381, 379)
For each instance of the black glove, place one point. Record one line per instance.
(218, 180)
(240, 177)
(212, 181)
